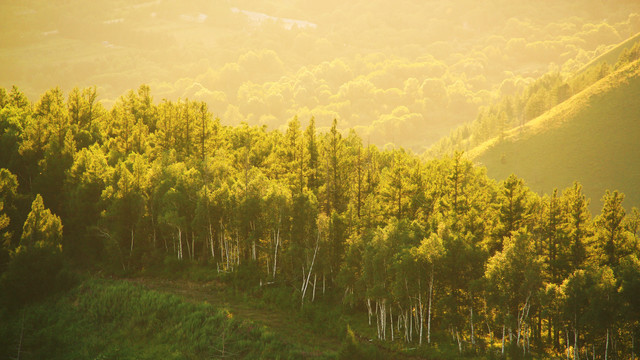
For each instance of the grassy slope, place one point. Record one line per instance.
(105, 319)
(284, 324)
(594, 138)
(611, 56)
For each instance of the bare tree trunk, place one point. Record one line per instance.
(606, 348)
(315, 277)
(275, 255)
(383, 317)
(473, 341)
(502, 339)
(391, 320)
(369, 311)
(378, 320)
(407, 337)
(459, 343)
(213, 251)
(237, 249)
(410, 323)
(186, 240)
(179, 243)
(429, 317)
(253, 250)
(420, 309)
(306, 285)
(131, 250)
(522, 318)
(324, 287)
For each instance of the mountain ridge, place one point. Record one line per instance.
(590, 138)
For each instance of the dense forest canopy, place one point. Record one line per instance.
(399, 72)
(297, 151)
(425, 247)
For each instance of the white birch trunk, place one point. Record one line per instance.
(186, 241)
(407, 337)
(131, 250)
(378, 320)
(315, 277)
(369, 311)
(471, 321)
(502, 339)
(179, 244)
(313, 260)
(421, 316)
(429, 316)
(384, 318)
(410, 322)
(237, 249)
(275, 255)
(213, 251)
(606, 348)
(391, 320)
(253, 250)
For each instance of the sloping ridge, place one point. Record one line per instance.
(611, 56)
(593, 138)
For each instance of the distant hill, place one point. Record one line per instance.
(611, 56)
(594, 138)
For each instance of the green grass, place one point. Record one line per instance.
(593, 138)
(107, 319)
(179, 318)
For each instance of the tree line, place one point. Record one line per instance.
(533, 100)
(433, 251)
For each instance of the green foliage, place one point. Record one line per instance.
(32, 275)
(352, 348)
(36, 266)
(434, 250)
(586, 131)
(42, 229)
(550, 90)
(103, 319)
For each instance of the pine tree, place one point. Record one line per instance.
(611, 238)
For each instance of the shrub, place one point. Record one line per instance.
(33, 274)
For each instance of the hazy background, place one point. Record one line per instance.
(402, 72)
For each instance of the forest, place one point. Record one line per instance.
(432, 252)
(302, 179)
(401, 72)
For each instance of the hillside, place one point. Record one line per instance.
(106, 319)
(611, 56)
(592, 138)
(407, 79)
